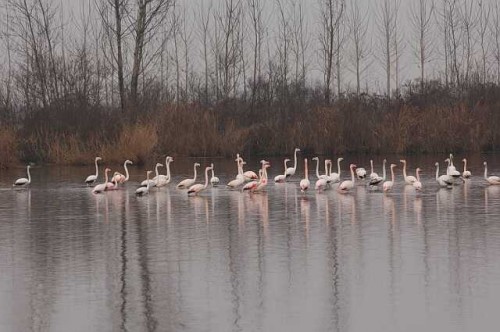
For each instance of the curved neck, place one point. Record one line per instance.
(326, 167)
(240, 168)
(338, 166)
(295, 160)
(285, 165)
(168, 170)
(451, 159)
(383, 170)
(29, 175)
(392, 174)
(465, 165)
(194, 178)
(213, 173)
(265, 173)
(352, 174)
(156, 170)
(126, 172)
(485, 171)
(437, 171)
(404, 169)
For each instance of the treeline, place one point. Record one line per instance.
(135, 79)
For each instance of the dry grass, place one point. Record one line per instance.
(8, 147)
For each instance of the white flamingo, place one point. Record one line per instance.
(185, 184)
(240, 179)
(262, 182)
(162, 180)
(466, 174)
(102, 187)
(290, 171)
(452, 170)
(248, 175)
(282, 177)
(494, 180)
(197, 188)
(152, 182)
(347, 185)
(321, 176)
(22, 182)
(373, 175)
(141, 191)
(305, 183)
(214, 181)
(444, 180)
(408, 179)
(417, 184)
(361, 173)
(387, 186)
(335, 177)
(92, 178)
(119, 177)
(376, 180)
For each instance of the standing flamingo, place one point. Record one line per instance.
(92, 178)
(152, 182)
(22, 182)
(387, 186)
(214, 181)
(102, 187)
(247, 175)
(444, 180)
(335, 177)
(466, 173)
(417, 184)
(197, 188)
(162, 180)
(321, 176)
(240, 179)
(373, 175)
(282, 177)
(347, 185)
(263, 182)
(361, 173)
(408, 179)
(185, 184)
(305, 183)
(141, 191)
(494, 180)
(376, 180)
(290, 171)
(119, 177)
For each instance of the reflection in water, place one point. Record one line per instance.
(226, 260)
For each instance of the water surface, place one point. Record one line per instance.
(230, 261)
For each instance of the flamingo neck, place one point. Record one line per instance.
(404, 170)
(156, 171)
(418, 175)
(326, 168)
(451, 159)
(147, 180)
(206, 176)
(392, 174)
(338, 166)
(465, 165)
(96, 169)
(352, 174)
(29, 175)
(213, 174)
(168, 170)
(105, 177)
(285, 166)
(371, 166)
(126, 172)
(295, 160)
(194, 178)
(240, 168)
(437, 171)
(317, 168)
(485, 171)
(305, 171)
(383, 170)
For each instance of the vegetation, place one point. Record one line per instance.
(130, 84)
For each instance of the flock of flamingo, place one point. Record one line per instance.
(250, 181)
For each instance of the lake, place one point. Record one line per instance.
(280, 260)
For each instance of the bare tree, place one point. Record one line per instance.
(204, 26)
(386, 17)
(421, 13)
(358, 29)
(331, 14)
(256, 10)
(482, 26)
(283, 47)
(495, 37)
(469, 19)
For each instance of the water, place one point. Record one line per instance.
(231, 261)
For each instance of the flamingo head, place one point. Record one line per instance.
(328, 161)
(315, 158)
(464, 160)
(384, 161)
(340, 159)
(485, 163)
(447, 160)
(149, 172)
(29, 166)
(107, 170)
(403, 161)
(128, 162)
(196, 165)
(393, 165)
(297, 150)
(436, 164)
(159, 165)
(98, 158)
(418, 170)
(170, 159)
(353, 166)
(287, 160)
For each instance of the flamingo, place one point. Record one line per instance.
(92, 178)
(444, 180)
(347, 185)
(23, 182)
(494, 180)
(240, 179)
(361, 173)
(305, 183)
(113, 185)
(408, 179)
(290, 171)
(152, 182)
(102, 187)
(214, 181)
(197, 188)
(185, 184)
(162, 180)
(248, 175)
(373, 175)
(252, 185)
(387, 186)
(417, 184)
(452, 170)
(282, 177)
(335, 177)
(119, 177)
(322, 176)
(263, 182)
(141, 191)
(466, 174)
(376, 180)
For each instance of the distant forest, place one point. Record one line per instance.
(135, 79)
